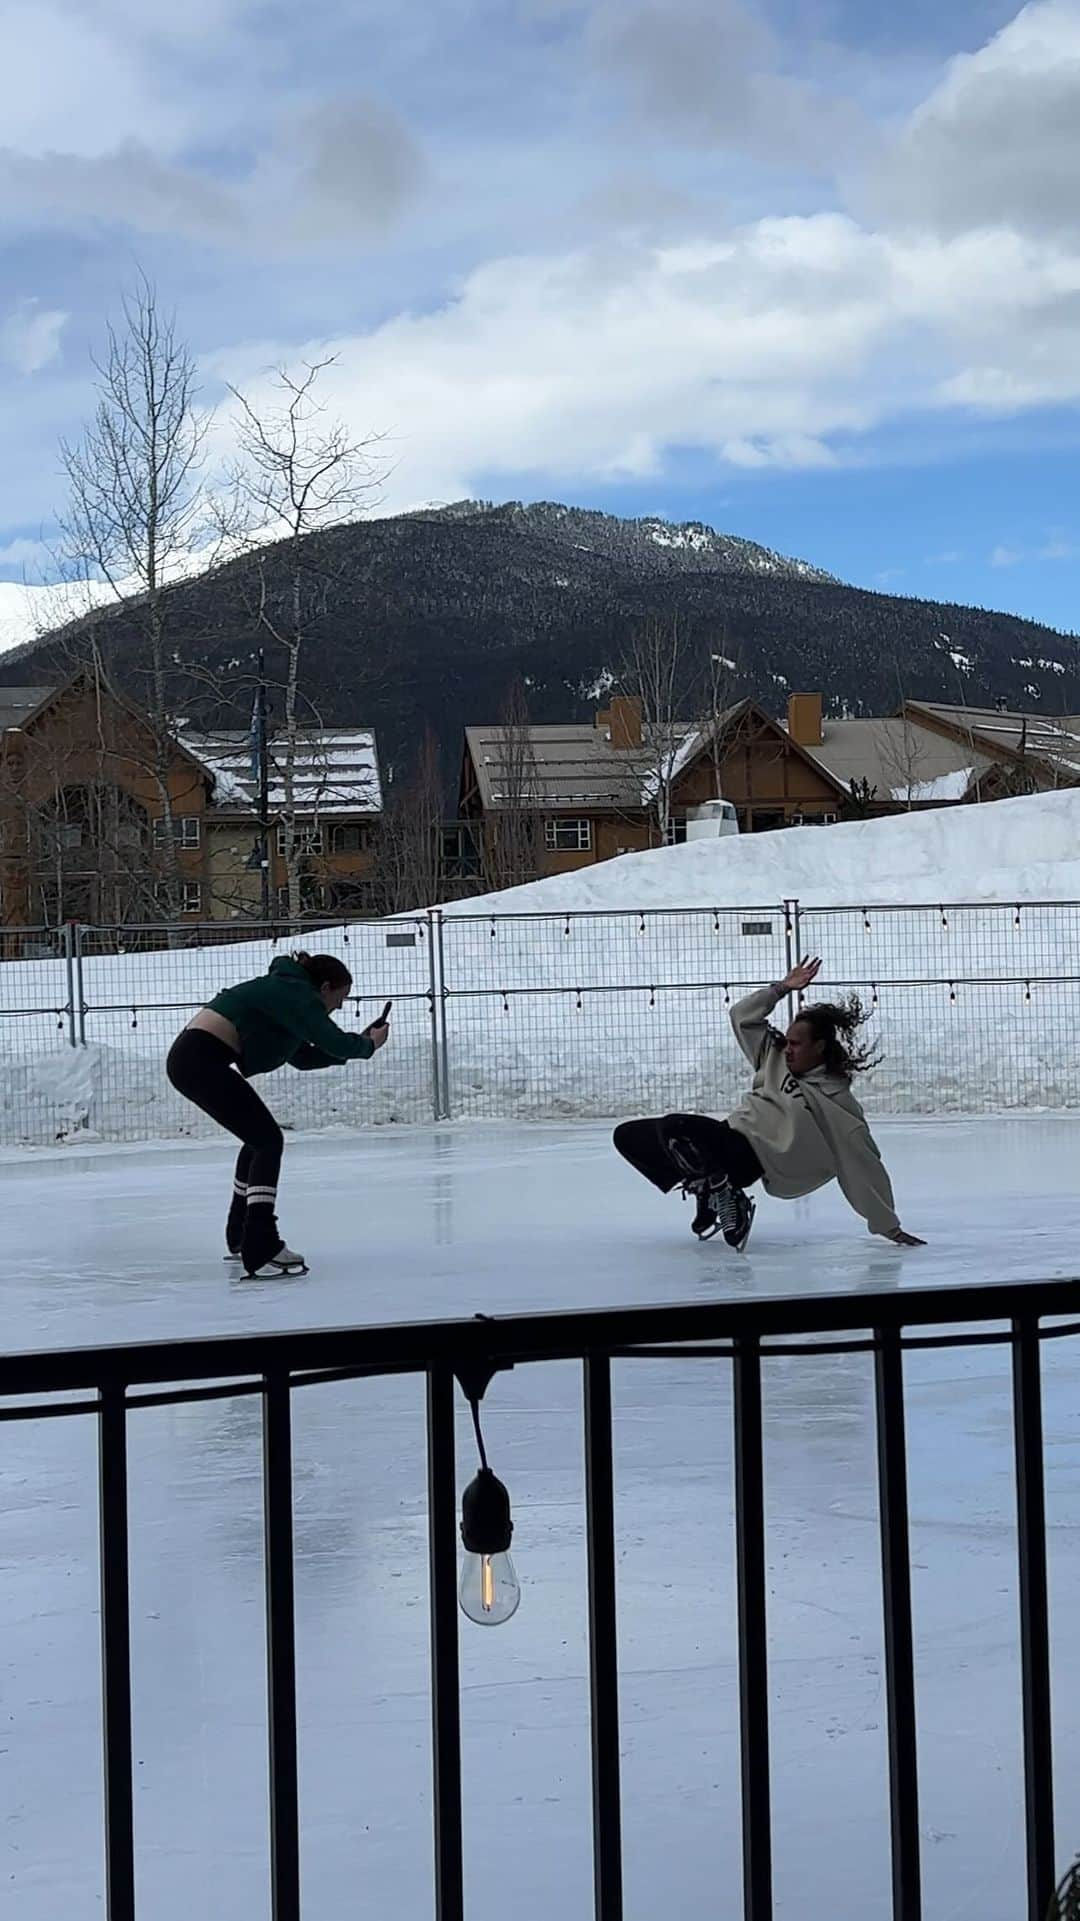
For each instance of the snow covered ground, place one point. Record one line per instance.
(586, 994)
(408, 1222)
(1009, 850)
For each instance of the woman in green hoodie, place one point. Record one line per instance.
(283, 1016)
(799, 1127)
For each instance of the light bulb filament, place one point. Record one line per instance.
(487, 1584)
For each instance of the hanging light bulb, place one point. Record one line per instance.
(489, 1593)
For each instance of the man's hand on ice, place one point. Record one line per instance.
(800, 977)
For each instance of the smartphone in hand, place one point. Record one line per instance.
(384, 1016)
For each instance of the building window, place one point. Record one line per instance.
(305, 840)
(63, 836)
(349, 897)
(187, 900)
(349, 837)
(312, 898)
(568, 836)
(186, 830)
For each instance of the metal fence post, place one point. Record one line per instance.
(69, 967)
(791, 947)
(436, 1077)
(443, 998)
(80, 991)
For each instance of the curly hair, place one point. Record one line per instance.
(836, 1023)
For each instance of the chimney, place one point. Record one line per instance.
(622, 720)
(804, 719)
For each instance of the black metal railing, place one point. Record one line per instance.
(111, 1384)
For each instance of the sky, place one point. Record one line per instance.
(807, 271)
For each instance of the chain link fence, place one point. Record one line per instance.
(974, 1009)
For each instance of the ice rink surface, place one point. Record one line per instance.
(406, 1223)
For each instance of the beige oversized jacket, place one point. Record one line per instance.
(810, 1130)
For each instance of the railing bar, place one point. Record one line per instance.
(1034, 1617)
(48, 1410)
(603, 1641)
(445, 1677)
(899, 1637)
(753, 1646)
(558, 1335)
(281, 1650)
(116, 1657)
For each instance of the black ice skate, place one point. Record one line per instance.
(738, 1233)
(722, 1209)
(705, 1222)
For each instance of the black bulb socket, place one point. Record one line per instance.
(486, 1523)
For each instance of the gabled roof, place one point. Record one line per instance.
(17, 704)
(901, 759)
(571, 767)
(1005, 734)
(707, 731)
(561, 768)
(337, 771)
(28, 705)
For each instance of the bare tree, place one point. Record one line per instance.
(655, 672)
(512, 850)
(410, 864)
(904, 754)
(136, 511)
(297, 474)
(721, 677)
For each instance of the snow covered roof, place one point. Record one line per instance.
(898, 757)
(680, 751)
(337, 770)
(561, 768)
(1052, 738)
(943, 787)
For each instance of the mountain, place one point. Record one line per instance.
(640, 548)
(428, 619)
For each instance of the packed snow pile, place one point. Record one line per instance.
(1008, 850)
(607, 992)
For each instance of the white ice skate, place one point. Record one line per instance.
(284, 1262)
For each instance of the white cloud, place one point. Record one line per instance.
(73, 81)
(1055, 548)
(780, 343)
(997, 142)
(28, 556)
(30, 336)
(778, 340)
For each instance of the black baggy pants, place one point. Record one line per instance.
(714, 1148)
(203, 1069)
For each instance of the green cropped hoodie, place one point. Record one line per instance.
(281, 1017)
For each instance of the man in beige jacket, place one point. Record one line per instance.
(799, 1127)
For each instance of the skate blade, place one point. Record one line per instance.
(275, 1271)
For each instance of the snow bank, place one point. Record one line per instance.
(607, 992)
(1004, 851)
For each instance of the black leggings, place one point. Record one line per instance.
(717, 1149)
(203, 1069)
